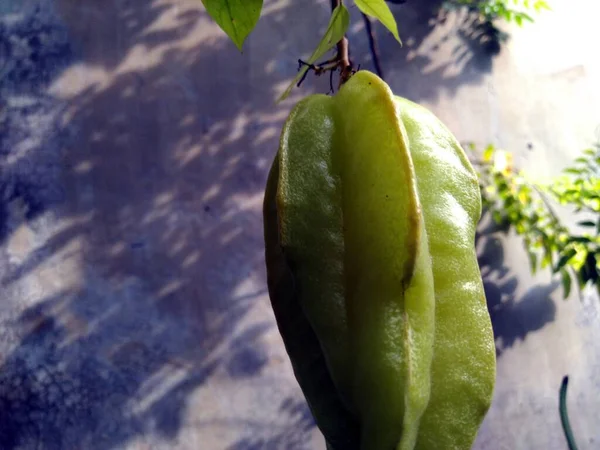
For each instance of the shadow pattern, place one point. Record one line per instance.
(513, 316)
(131, 264)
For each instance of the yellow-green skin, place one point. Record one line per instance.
(370, 214)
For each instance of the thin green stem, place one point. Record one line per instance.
(564, 416)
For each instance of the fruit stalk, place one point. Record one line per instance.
(342, 57)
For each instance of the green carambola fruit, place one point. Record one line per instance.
(370, 213)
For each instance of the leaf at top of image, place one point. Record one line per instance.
(540, 5)
(379, 10)
(336, 29)
(237, 18)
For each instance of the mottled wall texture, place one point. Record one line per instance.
(135, 142)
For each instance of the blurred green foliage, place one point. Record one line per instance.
(517, 11)
(515, 201)
(485, 16)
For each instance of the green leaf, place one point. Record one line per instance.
(564, 259)
(508, 14)
(497, 216)
(526, 17)
(380, 11)
(593, 264)
(546, 260)
(566, 282)
(338, 24)
(586, 223)
(573, 171)
(237, 18)
(488, 153)
(519, 20)
(533, 262)
(580, 239)
(540, 5)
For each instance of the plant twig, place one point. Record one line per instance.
(342, 52)
(344, 61)
(340, 61)
(373, 45)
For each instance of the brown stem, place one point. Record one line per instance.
(340, 61)
(342, 52)
(344, 60)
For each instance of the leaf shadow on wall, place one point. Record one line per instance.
(143, 278)
(34, 50)
(513, 316)
(442, 50)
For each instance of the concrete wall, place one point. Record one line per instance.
(134, 146)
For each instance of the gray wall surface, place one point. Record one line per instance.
(134, 147)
